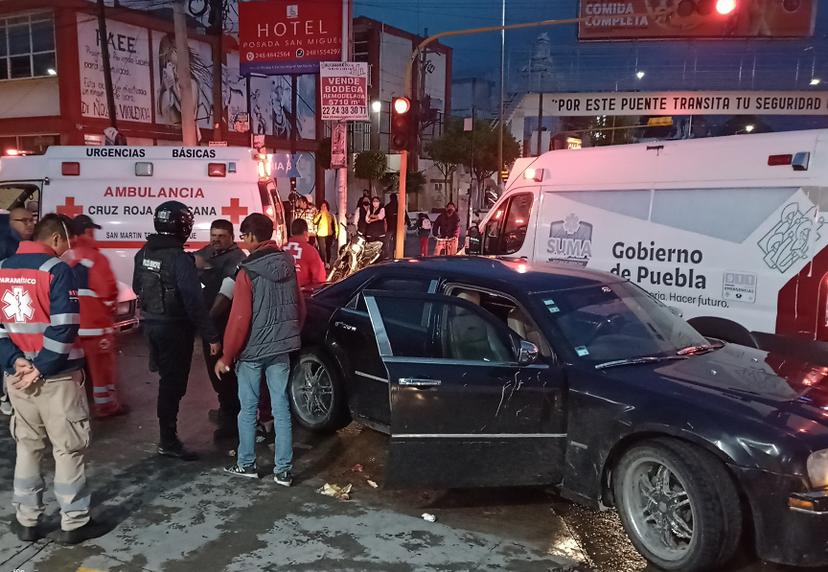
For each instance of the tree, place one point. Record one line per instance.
(447, 151)
(415, 182)
(481, 151)
(370, 165)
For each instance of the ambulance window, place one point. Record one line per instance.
(13, 195)
(506, 230)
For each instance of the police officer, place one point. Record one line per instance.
(172, 305)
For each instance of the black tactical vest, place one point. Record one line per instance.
(157, 293)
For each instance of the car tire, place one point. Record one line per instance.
(678, 505)
(317, 395)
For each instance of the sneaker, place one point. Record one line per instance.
(27, 533)
(177, 451)
(88, 531)
(6, 406)
(249, 471)
(284, 478)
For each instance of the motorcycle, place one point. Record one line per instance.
(355, 255)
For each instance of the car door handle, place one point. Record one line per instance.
(344, 326)
(419, 382)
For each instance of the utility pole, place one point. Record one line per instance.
(103, 40)
(540, 115)
(502, 94)
(342, 172)
(185, 85)
(217, 29)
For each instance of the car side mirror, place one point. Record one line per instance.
(527, 352)
(474, 240)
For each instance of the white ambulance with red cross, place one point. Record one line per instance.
(120, 187)
(731, 231)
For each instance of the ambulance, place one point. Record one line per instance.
(120, 187)
(730, 232)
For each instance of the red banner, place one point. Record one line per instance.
(288, 36)
(668, 19)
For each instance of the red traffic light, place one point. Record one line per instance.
(725, 7)
(401, 105)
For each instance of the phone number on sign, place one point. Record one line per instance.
(344, 110)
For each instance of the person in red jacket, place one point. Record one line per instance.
(98, 295)
(310, 270)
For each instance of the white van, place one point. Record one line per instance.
(120, 187)
(730, 231)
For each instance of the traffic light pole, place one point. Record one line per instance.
(402, 207)
(402, 200)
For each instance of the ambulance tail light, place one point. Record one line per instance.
(70, 169)
(265, 160)
(216, 170)
(777, 160)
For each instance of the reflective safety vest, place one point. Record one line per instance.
(97, 287)
(39, 311)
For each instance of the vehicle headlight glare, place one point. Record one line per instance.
(818, 469)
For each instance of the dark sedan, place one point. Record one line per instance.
(493, 372)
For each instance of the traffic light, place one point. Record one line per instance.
(402, 123)
(707, 7)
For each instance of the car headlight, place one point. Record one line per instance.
(124, 308)
(818, 469)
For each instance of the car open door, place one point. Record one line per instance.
(464, 412)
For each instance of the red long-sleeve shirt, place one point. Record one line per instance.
(241, 314)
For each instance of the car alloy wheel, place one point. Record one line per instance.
(659, 508)
(312, 390)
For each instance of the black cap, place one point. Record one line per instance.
(81, 222)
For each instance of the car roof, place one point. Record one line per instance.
(527, 276)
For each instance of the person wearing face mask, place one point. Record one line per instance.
(447, 231)
(42, 358)
(361, 215)
(375, 221)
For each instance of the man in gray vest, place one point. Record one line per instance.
(264, 327)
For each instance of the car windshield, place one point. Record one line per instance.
(618, 322)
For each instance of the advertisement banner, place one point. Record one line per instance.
(339, 149)
(129, 60)
(684, 103)
(649, 19)
(344, 91)
(288, 36)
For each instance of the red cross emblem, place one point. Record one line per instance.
(70, 209)
(234, 211)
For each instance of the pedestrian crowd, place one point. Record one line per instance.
(245, 302)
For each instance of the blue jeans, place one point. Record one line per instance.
(276, 370)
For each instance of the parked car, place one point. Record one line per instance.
(492, 372)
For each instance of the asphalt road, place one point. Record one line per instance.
(165, 515)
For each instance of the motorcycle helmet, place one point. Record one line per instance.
(174, 218)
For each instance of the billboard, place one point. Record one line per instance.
(670, 19)
(288, 36)
(682, 103)
(344, 91)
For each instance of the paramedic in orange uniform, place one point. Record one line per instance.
(98, 295)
